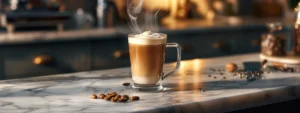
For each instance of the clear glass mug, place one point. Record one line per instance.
(147, 56)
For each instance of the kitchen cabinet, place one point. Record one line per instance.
(18, 60)
(111, 51)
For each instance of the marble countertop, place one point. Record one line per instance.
(70, 93)
(168, 26)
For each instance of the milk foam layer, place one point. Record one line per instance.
(148, 38)
(146, 79)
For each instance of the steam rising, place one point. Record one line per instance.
(147, 19)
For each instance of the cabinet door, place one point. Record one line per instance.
(110, 53)
(199, 46)
(66, 57)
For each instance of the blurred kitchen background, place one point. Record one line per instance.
(45, 37)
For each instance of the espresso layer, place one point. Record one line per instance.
(147, 62)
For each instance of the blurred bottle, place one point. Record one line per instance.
(296, 39)
(84, 20)
(107, 13)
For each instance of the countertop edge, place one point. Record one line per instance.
(254, 99)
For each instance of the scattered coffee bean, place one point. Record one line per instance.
(93, 96)
(119, 96)
(108, 97)
(221, 73)
(115, 99)
(202, 90)
(101, 96)
(112, 94)
(133, 98)
(125, 96)
(262, 72)
(126, 84)
(215, 77)
(219, 70)
(231, 67)
(224, 77)
(290, 70)
(122, 100)
(209, 75)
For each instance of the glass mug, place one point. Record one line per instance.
(147, 56)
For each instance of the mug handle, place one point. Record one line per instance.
(171, 72)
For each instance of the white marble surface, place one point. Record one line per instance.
(69, 93)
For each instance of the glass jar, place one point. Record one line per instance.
(274, 42)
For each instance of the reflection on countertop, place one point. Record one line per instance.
(167, 26)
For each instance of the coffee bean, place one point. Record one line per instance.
(122, 100)
(133, 98)
(221, 73)
(126, 84)
(209, 75)
(115, 99)
(118, 96)
(101, 96)
(125, 96)
(93, 96)
(112, 94)
(290, 69)
(108, 97)
(201, 89)
(215, 77)
(224, 77)
(231, 67)
(264, 62)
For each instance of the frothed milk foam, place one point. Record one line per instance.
(147, 53)
(148, 38)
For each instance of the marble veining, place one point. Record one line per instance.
(190, 90)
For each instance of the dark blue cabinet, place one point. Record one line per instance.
(111, 51)
(18, 60)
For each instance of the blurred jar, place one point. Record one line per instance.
(274, 42)
(84, 20)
